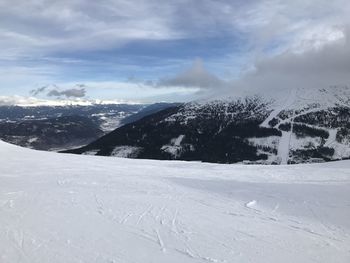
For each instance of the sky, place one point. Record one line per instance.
(181, 50)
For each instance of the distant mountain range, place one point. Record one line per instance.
(303, 126)
(107, 116)
(57, 128)
(51, 134)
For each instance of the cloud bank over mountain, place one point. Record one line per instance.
(69, 93)
(323, 67)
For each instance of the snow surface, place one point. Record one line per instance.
(174, 148)
(270, 141)
(91, 152)
(284, 147)
(125, 151)
(74, 208)
(304, 143)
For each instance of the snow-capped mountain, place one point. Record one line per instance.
(302, 126)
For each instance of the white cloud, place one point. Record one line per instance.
(66, 25)
(81, 24)
(33, 102)
(286, 40)
(294, 26)
(323, 67)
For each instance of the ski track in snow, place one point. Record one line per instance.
(68, 208)
(284, 143)
(277, 109)
(283, 147)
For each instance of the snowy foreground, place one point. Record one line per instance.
(71, 208)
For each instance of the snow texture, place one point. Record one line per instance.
(125, 151)
(174, 148)
(74, 208)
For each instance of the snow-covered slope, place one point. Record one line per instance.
(74, 208)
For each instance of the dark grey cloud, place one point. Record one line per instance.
(38, 91)
(68, 93)
(79, 91)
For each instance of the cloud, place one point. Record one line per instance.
(32, 101)
(7, 101)
(37, 91)
(325, 67)
(68, 93)
(197, 76)
(53, 90)
(67, 25)
(82, 41)
(61, 26)
(40, 90)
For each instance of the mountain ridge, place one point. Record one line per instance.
(310, 126)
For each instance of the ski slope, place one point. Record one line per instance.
(74, 208)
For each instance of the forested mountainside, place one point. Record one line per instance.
(251, 129)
